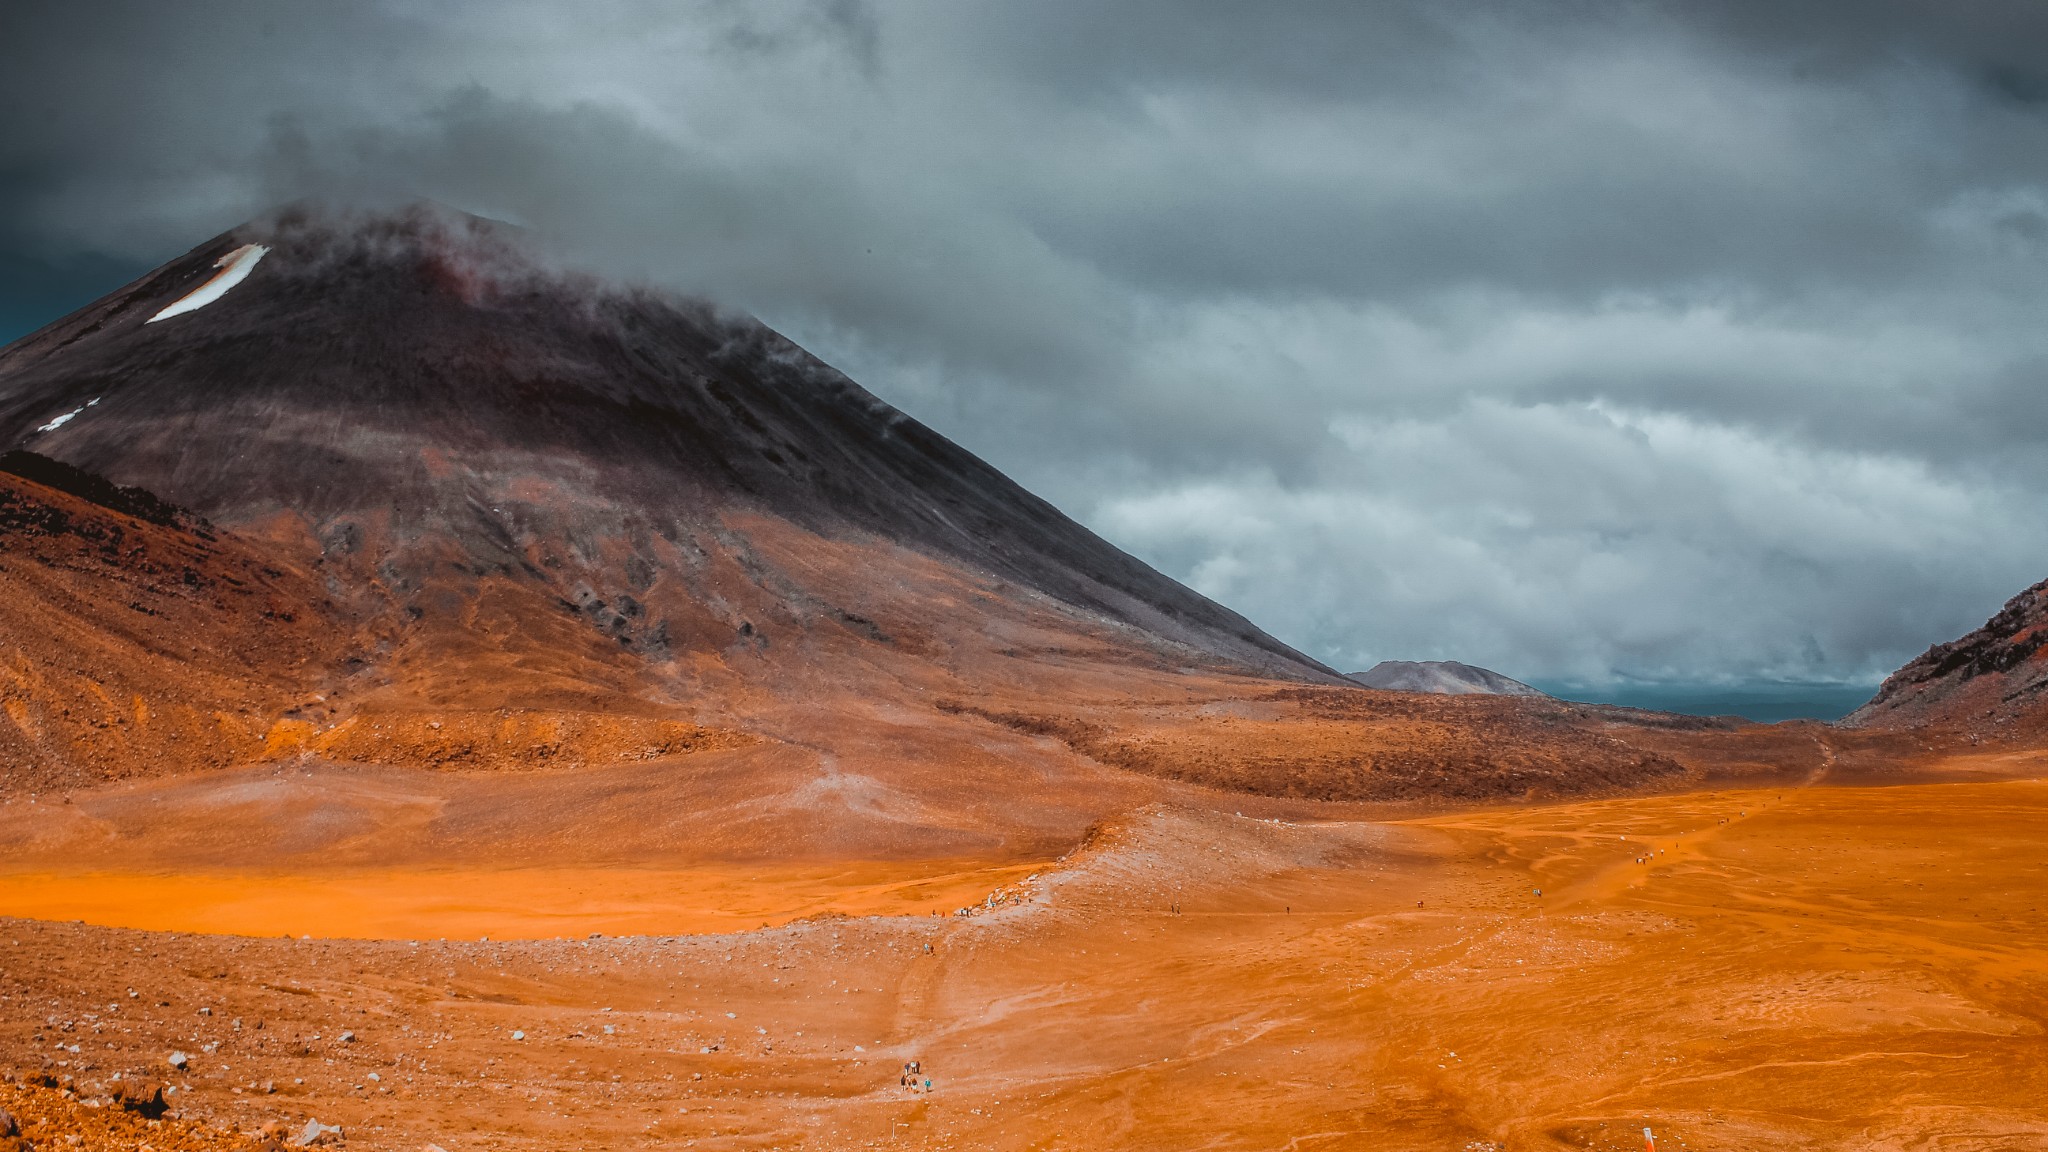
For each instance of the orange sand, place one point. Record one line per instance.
(1811, 968)
(525, 904)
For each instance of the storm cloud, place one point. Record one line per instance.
(1592, 342)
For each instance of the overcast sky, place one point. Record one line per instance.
(1592, 342)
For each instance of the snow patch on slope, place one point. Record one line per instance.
(60, 421)
(234, 268)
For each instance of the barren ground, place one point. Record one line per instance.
(1799, 967)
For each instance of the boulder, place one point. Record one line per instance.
(316, 1134)
(140, 1095)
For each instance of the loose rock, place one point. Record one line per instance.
(141, 1096)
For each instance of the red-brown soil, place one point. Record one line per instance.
(56, 1115)
(126, 644)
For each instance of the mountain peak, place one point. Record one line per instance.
(415, 389)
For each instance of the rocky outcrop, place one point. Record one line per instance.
(1992, 681)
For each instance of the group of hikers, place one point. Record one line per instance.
(912, 1070)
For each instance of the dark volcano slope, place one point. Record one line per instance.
(415, 371)
(1991, 682)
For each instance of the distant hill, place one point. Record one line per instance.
(1440, 678)
(1994, 679)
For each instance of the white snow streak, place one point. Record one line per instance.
(60, 421)
(234, 268)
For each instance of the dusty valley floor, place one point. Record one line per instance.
(1821, 967)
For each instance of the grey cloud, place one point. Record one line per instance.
(933, 275)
